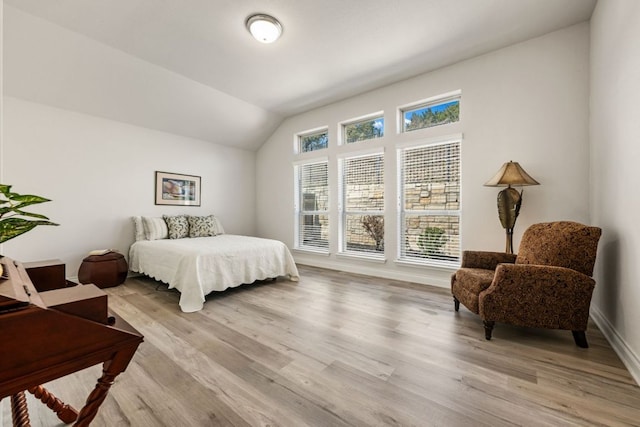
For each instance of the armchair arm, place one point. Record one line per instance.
(486, 260)
(538, 296)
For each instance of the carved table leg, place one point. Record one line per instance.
(110, 371)
(95, 399)
(19, 410)
(65, 413)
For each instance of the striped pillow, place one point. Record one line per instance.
(154, 228)
(138, 228)
(219, 229)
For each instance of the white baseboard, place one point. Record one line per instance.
(626, 354)
(417, 274)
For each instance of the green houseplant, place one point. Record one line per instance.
(431, 241)
(14, 221)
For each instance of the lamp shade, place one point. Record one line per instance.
(511, 173)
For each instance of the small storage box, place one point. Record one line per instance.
(104, 271)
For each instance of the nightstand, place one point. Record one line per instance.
(104, 271)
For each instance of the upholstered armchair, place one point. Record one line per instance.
(547, 284)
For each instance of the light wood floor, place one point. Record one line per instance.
(337, 349)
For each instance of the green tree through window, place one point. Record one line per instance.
(360, 131)
(434, 115)
(315, 141)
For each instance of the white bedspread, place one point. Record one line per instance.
(200, 265)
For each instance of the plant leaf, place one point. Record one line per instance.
(5, 210)
(30, 214)
(13, 227)
(27, 200)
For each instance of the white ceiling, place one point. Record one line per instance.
(330, 49)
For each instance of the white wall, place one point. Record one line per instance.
(527, 103)
(98, 173)
(51, 65)
(615, 150)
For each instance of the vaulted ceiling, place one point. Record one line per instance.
(190, 67)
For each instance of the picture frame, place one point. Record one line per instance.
(176, 189)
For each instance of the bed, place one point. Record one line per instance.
(197, 266)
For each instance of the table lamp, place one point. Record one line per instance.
(509, 199)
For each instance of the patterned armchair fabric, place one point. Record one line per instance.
(563, 244)
(547, 285)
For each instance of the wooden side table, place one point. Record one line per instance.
(104, 271)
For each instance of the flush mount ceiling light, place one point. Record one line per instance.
(264, 28)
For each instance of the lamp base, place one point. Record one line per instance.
(509, 202)
(509, 240)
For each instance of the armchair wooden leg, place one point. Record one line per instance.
(488, 328)
(456, 304)
(580, 338)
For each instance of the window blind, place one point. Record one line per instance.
(362, 205)
(312, 206)
(430, 203)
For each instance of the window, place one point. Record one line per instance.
(431, 114)
(362, 205)
(312, 206)
(425, 178)
(430, 203)
(313, 141)
(362, 130)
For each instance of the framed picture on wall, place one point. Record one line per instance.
(177, 189)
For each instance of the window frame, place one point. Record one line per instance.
(427, 103)
(311, 132)
(401, 206)
(299, 210)
(342, 131)
(343, 212)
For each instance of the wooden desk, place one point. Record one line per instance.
(42, 342)
(47, 275)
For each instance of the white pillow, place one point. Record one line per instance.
(155, 228)
(138, 227)
(219, 229)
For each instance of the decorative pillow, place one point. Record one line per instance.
(178, 226)
(138, 227)
(202, 226)
(219, 229)
(154, 228)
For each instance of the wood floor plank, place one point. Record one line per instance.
(338, 349)
(211, 369)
